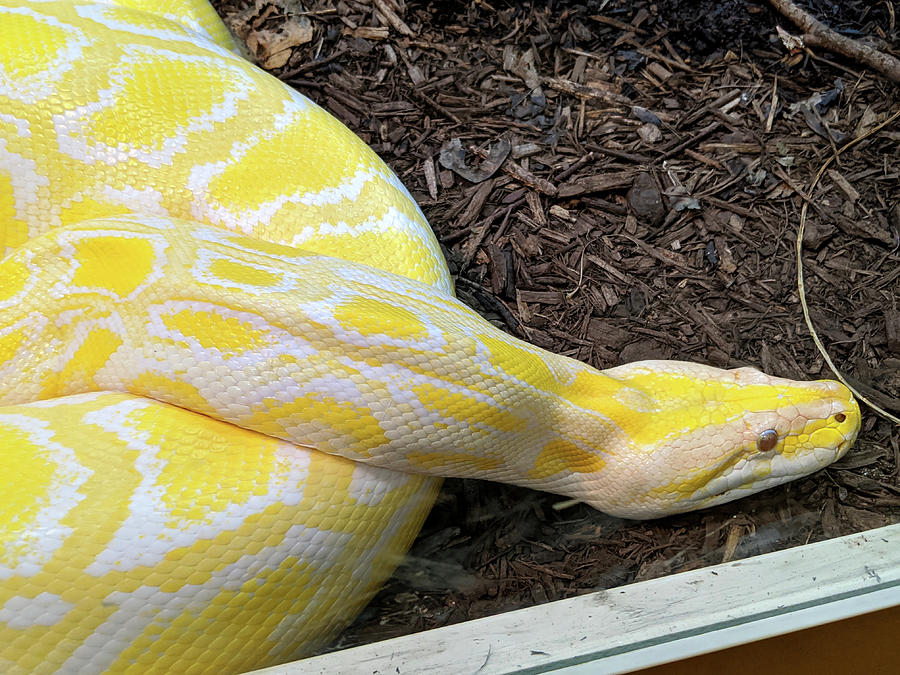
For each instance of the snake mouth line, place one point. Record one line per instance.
(750, 474)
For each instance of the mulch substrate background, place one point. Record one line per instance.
(617, 181)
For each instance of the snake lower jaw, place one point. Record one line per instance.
(700, 490)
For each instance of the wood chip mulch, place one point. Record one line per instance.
(617, 181)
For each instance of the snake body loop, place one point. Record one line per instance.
(232, 369)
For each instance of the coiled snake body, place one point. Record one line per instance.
(232, 367)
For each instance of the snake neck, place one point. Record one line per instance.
(353, 361)
(321, 352)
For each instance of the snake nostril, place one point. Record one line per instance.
(840, 417)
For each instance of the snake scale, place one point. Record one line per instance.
(232, 368)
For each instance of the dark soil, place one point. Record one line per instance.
(615, 233)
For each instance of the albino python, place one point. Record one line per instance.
(232, 366)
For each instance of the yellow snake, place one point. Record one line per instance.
(232, 365)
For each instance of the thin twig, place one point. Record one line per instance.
(801, 288)
(820, 35)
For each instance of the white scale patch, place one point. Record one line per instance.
(45, 533)
(114, 18)
(25, 179)
(141, 200)
(635, 399)
(17, 299)
(393, 221)
(32, 326)
(370, 484)
(46, 609)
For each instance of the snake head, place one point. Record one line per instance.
(714, 435)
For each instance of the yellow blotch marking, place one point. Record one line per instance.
(453, 463)
(213, 330)
(94, 518)
(10, 344)
(328, 483)
(520, 363)
(344, 420)
(272, 590)
(321, 166)
(814, 425)
(733, 395)
(561, 456)
(399, 355)
(96, 350)
(372, 317)
(320, 594)
(151, 80)
(591, 389)
(13, 232)
(818, 433)
(457, 406)
(24, 56)
(105, 495)
(232, 270)
(118, 264)
(23, 496)
(162, 388)
(13, 276)
(826, 437)
(85, 208)
(393, 251)
(189, 13)
(269, 248)
(210, 466)
(684, 404)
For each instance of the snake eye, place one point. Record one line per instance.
(840, 417)
(767, 440)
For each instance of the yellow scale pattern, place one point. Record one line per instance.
(232, 367)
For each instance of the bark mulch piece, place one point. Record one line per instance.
(639, 182)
